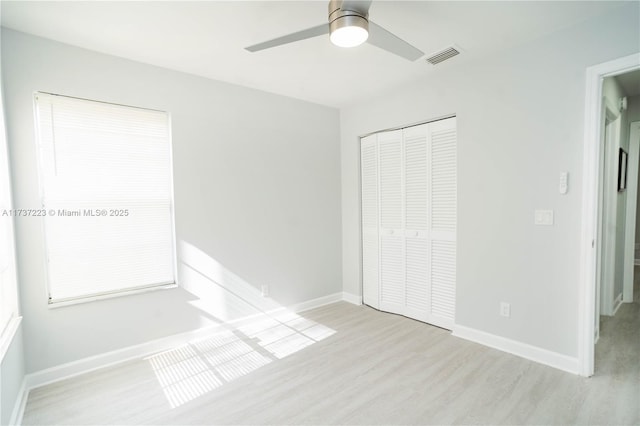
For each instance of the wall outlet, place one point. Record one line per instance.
(265, 290)
(505, 309)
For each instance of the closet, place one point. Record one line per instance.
(409, 205)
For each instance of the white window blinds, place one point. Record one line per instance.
(107, 199)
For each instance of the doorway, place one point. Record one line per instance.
(602, 232)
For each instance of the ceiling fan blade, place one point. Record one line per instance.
(383, 39)
(290, 38)
(360, 6)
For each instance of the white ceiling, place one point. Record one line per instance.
(207, 38)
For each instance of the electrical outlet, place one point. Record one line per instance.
(265, 290)
(505, 309)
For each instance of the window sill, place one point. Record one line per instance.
(80, 300)
(8, 334)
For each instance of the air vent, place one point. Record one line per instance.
(443, 55)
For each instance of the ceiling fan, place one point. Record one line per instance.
(348, 26)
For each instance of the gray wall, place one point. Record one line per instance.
(257, 192)
(520, 123)
(12, 371)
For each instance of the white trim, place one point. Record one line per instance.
(616, 304)
(610, 143)
(352, 298)
(8, 334)
(524, 350)
(85, 365)
(21, 403)
(592, 128)
(61, 303)
(315, 303)
(107, 359)
(632, 199)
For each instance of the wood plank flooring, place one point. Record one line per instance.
(345, 364)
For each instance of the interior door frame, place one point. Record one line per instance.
(632, 200)
(590, 204)
(608, 208)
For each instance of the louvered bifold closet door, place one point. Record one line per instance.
(392, 256)
(370, 226)
(416, 222)
(443, 218)
(409, 215)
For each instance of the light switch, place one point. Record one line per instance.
(543, 217)
(563, 187)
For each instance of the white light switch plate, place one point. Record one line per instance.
(543, 217)
(563, 187)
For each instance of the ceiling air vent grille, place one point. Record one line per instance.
(443, 55)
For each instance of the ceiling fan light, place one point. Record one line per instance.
(349, 31)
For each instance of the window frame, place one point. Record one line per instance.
(129, 291)
(10, 328)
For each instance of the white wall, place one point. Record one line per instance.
(520, 123)
(257, 191)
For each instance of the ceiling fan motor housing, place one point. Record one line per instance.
(340, 17)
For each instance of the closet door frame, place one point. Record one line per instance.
(435, 240)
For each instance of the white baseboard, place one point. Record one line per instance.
(107, 359)
(315, 303)
(352, 298)
(524, 350)
(616, 304)
(21, 403)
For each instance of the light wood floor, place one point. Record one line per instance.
(344, 364)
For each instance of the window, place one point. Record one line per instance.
(107, 197)
(8, 283)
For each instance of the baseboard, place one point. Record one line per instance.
(21, 403)
(352, 298)
(316, 303)
(107, 359)
(524, 350)
(616, 304)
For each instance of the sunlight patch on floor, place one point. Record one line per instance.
(199, 367)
